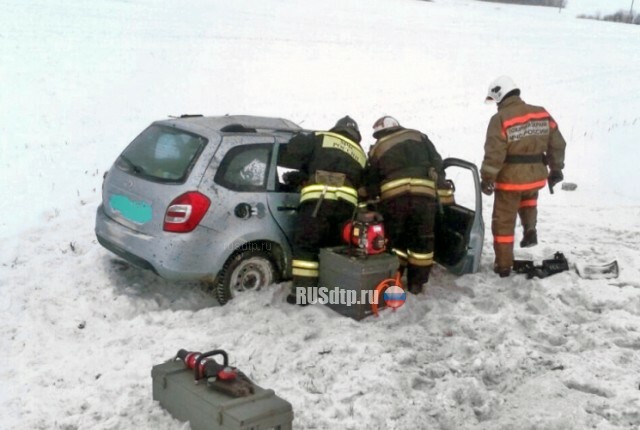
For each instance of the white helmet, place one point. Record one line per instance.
(385, 123)
(500, 88)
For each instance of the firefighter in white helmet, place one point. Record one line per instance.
(404, 170)
(522, 140)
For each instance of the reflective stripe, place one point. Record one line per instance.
(531, 203)
(305, 268)
(406, 181)
(349, 147)
(427, 256)
(520, 187)
(304, 264)
(446, 196)
(332, 193)
(531, 124)
(400, 254)
(308, 273)
(503, 239)
(417, 259)
(407, 185)
(524, 118)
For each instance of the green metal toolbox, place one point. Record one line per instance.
(206, 409)
(341, 269)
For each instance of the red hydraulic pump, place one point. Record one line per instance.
(366, 232)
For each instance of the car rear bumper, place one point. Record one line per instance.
(171, 256)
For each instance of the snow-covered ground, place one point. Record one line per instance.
(81, 330)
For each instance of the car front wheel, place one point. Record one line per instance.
(245, 271)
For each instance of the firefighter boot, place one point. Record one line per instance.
(501, 271)
(530, 238)
(504, 259)
(417, 276)
(302, 290)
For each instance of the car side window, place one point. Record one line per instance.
(245, 168)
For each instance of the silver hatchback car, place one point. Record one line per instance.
(205, 198)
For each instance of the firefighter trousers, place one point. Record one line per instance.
(312, 233)
(409, 223)
(507, 206)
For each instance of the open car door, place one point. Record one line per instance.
(459, 229)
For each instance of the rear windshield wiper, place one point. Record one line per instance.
(134, 167)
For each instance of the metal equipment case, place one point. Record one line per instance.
(207, 409)
(341, 268)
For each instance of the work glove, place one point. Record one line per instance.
(294, 178)
(487, 187)
(554, 177)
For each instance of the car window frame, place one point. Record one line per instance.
(218, 177)
(124, 164)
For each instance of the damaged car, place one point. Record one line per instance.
(207, 198)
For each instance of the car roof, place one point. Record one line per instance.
(230, 123)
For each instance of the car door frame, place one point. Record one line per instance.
(474, 238)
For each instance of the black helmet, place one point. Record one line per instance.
(349, 126)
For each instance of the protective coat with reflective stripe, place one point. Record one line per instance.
(402, 155)
(331, 152)
(316, 191)
(521, 129)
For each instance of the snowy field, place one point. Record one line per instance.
(81, 330)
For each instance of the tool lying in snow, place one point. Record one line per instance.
(548, 267)
(220, 377)
(598, 271)
(227, 401)
(559, 264)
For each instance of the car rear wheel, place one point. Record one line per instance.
(245, 271)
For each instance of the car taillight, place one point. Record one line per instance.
(185, 212)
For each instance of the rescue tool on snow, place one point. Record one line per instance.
(221, 377)
(548, 267)
(227, 400)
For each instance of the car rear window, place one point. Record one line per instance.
(163, 154)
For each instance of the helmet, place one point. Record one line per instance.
(500, 88)
(349, 126)
(385, 124)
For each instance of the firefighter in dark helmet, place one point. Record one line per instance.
(522, 140)
(332, 162)
(405, 171)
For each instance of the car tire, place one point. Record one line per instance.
(245, 271)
